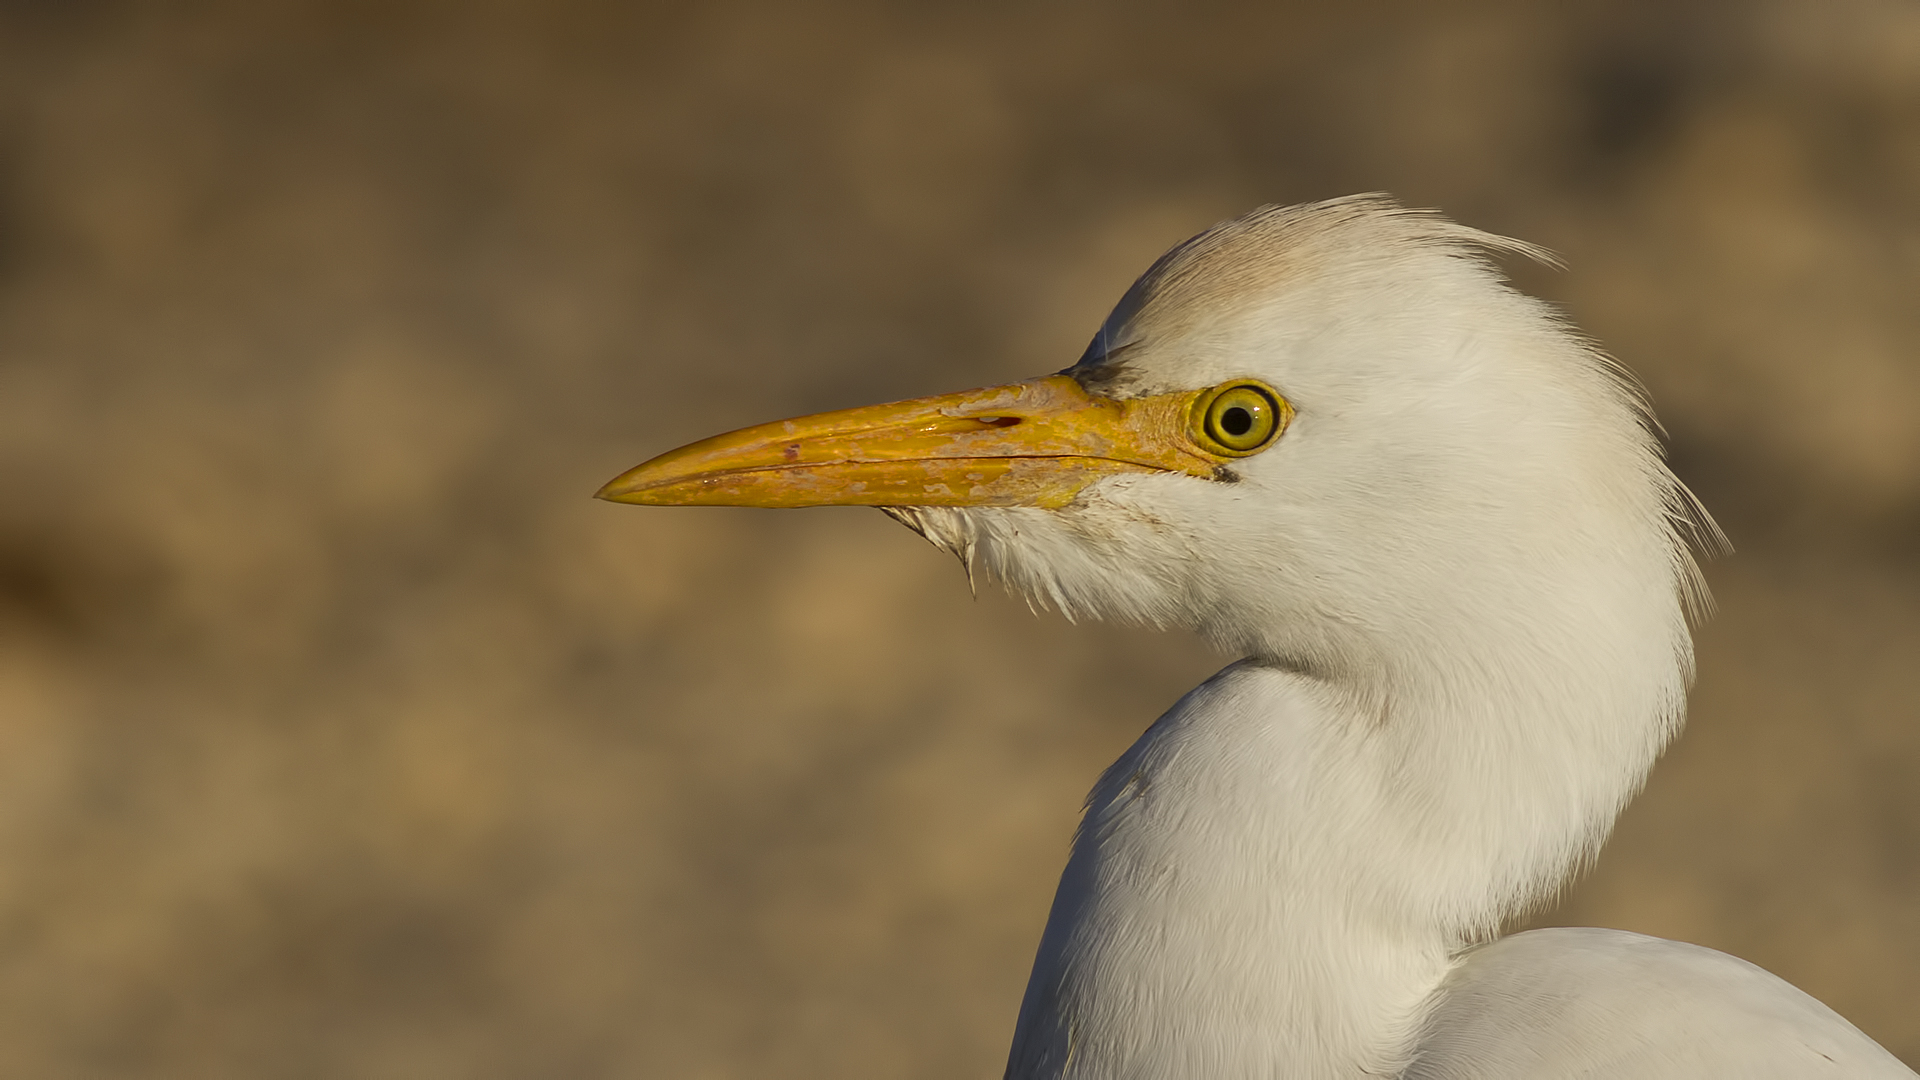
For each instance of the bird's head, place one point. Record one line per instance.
(1328, 436)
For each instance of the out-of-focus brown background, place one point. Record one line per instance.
(342, 735)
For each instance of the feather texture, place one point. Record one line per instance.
(1460, 583)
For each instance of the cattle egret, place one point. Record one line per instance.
(1434, 523)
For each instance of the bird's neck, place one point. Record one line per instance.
(1280, 871)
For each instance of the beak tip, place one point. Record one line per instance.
(619, 490)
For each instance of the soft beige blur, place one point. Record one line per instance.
(342, 735)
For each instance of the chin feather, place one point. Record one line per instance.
(1074, 560)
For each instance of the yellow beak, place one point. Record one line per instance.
(1035, 443)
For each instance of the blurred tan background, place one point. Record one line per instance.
(342, 735)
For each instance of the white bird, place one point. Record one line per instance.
(1436, 525)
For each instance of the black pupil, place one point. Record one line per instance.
(1236, 421)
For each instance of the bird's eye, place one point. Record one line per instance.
(1238, 419)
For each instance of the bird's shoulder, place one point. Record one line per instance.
(1582, 1002)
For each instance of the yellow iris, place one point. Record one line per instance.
(1238, 418)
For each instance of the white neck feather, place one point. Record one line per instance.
(1281, 870)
